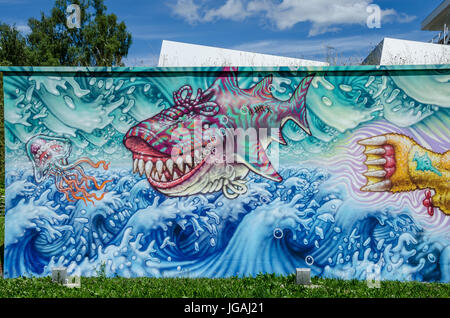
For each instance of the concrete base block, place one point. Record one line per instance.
(59, 275)
(73, 282)
(303, 276)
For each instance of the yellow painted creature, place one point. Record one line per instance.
(397, 163)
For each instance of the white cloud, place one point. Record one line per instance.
(232, 10)
(187, 9)
(324, 15)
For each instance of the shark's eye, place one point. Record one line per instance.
(205, 126)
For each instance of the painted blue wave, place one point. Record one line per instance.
(303, 221)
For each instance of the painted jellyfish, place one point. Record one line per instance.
(49, 158)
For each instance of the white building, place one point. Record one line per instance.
(439, 20)
(185, 54)
(400, 52)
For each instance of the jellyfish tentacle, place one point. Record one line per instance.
(83, 177)
(98, 198)
(75, 186)
(79, 198)
(84, 160)
(99, 187)
(60, 188)
(74, 189)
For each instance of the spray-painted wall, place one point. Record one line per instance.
(219, 172)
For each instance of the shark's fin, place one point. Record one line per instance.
(262, 88)
(279, 138)
(259, 163)
(227, 78)
(297, 104)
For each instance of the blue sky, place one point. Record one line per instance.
(294, 28)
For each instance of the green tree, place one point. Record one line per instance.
(13, 46)
(100, 41)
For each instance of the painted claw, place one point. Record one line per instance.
(397, 163)
(378, 187)
(373, 141)
(377, 173)
(379, 162)
(375, 151)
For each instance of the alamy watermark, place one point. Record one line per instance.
(74, 16)
(226, 146)
(374, 18)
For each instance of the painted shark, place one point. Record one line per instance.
(169, 148)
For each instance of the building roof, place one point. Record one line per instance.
(440, 16)
(404, 52)
(181, 54)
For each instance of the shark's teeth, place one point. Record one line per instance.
(155, 176)
(189, 160)
(180, 163)
(197, 157)
(165, 169)
(169, 165)
(159, 166)
(378, 187)
(135, 165)
(148, 168)
(141, 166)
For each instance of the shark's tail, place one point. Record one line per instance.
(297, 104)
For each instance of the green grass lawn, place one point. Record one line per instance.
(262, 286)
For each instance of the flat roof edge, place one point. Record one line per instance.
(169, 46)
(425, 25)
(68, 69)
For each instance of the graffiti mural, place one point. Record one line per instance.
(217, 172)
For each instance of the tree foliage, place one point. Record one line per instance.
(13, 46)
(100, 41)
